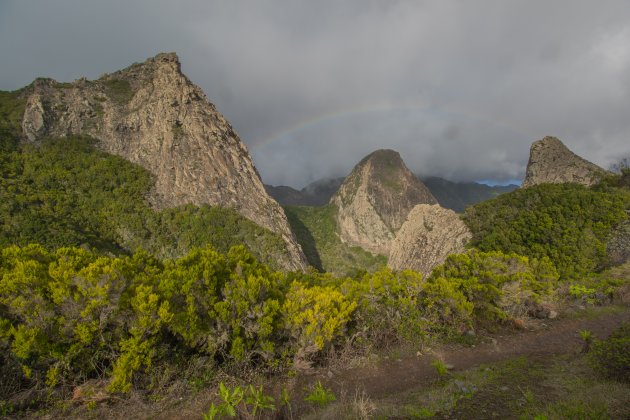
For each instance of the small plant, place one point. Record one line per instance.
(419, 412)
(320, 395)
(231, 399)
(584, 293)
(362, 406)
(258, 400)
(587, 338)
(440, 367)
(285, 401)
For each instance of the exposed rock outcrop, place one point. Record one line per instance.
(374, 201)
(427, 237)
(152, 115)
(550, 161)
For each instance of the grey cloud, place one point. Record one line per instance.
(461, 89)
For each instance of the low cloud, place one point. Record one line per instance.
(461, 89)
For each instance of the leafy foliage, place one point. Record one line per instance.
(567, 223)
(67, 193)
(319, 395)
(497, 285)
(11, 111)
(71, 315)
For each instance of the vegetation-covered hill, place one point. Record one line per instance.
(568, 223)
(65, 192)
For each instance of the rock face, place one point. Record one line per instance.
(550, 161)
(427, 237)
(152, 115)
(374, 200)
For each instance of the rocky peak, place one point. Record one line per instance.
(375, 198)
(152, 115)
(429, 235)
(550, 161)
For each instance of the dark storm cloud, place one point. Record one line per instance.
(461, 89)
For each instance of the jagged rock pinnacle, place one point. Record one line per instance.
(550, 161)
(374, 200)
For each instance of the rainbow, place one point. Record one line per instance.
(383, 108)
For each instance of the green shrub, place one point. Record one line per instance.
(388, 307)
(314, 317)
(319, 395)
(497, 285)
(611, 357)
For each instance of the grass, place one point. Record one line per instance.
(556, 388)
(316, 231)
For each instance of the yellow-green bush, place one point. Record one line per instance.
(315, 316)
(71, 315)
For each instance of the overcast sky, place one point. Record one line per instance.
(459, 88)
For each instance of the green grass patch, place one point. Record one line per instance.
(556, 388)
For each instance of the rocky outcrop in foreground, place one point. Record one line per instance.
(152, 115)
(550, 161)
(427, 237)
(374, 200)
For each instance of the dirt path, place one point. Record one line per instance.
(393, 376)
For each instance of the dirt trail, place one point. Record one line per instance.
(392, 376)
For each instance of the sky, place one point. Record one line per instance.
(460, 88)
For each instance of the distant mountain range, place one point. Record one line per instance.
(452, 195)
(458, 195)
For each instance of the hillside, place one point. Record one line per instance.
(152, 115)
(65, 192)
(316, 231)
(567, 223)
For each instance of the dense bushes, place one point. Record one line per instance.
(70, 315)
(567, 223)
(67, 193)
